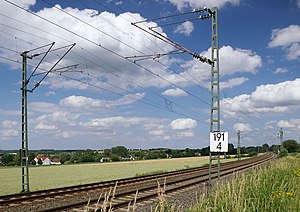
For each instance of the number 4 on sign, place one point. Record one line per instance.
(219, 142)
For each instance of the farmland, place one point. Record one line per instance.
(46, 177)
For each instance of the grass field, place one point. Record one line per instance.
(45, 177)
(272, 188)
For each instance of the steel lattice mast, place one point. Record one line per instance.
(24, 148)
(215, 84)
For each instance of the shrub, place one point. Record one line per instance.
(283, 153)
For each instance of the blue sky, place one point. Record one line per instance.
(115, 97)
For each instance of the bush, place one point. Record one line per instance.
(115, 158)
(252, 154)
(268, 188)
(283, 153)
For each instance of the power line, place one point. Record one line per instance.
(105, 48)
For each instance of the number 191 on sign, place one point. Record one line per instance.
(219, 142)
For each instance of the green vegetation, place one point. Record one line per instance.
(291, 146)
(119, 153)
(272, 188)
(46, 177)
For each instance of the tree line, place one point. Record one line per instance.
(121, 153)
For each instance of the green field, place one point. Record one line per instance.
(269, 188)
(45, 177)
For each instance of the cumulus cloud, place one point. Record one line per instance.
(280, 70)
(292, 123)
(174, 92)
(158, 132)
(285, 36)
(232, 60)
(8, 124)
(88, 104)
(233, 82)
(181, 4)
(183, 123)
(288, 38)
(186, 134)
(8, 129)
(266, 98)
(114, 121)
(45, 126)
(95, 30)
(242, 127)
(185, 28)
(294, 51)
(8, 133)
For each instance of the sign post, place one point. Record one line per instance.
(218, 143)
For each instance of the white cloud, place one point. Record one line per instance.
(232, 60)
(50, 93)
(8, 133)
(233, 82)
(181, 4)
(8, 129)
(8, 124)
(292, 123)
(174, 92)
(43, 107)
(266, 98)
(242, 127)
(114, 121)
(45, 126)
(156, 132)
(294, 51)
(183, 123)
(69, 134)
(185, 28)
(117, 34)
(298, 3)
(87, 104)
(285, 124)
(186, 134)
(285, 36)
(280, 70)
(289, 39)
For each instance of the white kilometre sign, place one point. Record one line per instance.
(219, 141)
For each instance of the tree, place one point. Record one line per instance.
(291, 145)
(274, 148)
(120, 151)
(265, 147)
(64, 157)
(6, 159)
(231, 149)
(107, 153)
(114, 158)
(31, 156)
(40, 162)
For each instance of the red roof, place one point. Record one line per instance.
(41, 157)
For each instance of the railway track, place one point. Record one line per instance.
(118, 194)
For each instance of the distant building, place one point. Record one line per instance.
(46, 160)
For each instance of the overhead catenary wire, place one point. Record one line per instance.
(147, 101)
(117, 55)
(105, 48)
(131, 81)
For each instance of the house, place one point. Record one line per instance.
(46, 160)
(55, 161)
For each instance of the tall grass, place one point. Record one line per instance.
(270, 188)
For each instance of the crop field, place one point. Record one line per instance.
(46, 177)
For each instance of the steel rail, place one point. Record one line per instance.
(147, 185)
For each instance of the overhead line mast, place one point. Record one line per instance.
(25, 81)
